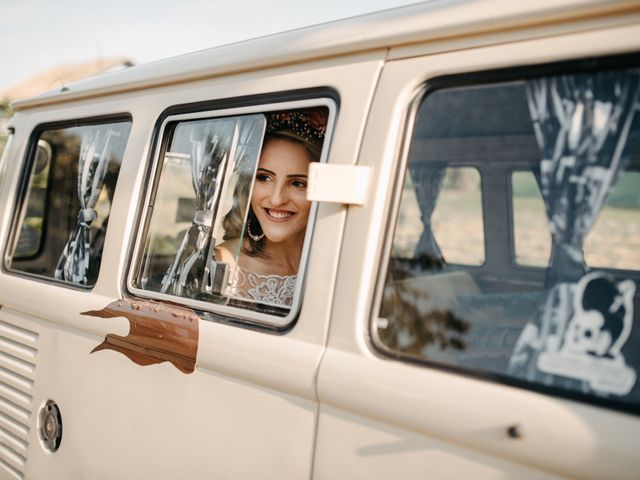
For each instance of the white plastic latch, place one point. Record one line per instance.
(347, 184)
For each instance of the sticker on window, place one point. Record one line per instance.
(591, 347)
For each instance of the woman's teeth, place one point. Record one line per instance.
(279, 214)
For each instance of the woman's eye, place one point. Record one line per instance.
(263, 177)
(299, 184)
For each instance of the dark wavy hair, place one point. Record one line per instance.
(233, 222)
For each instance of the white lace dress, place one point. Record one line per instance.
(273, 290)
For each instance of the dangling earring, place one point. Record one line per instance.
(254, 237)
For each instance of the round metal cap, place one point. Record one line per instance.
(50, 426)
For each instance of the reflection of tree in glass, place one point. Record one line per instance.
(401, 268)
(410, 328)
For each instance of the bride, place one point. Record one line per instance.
(269, 256)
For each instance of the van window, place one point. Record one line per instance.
(30, 239)
(532, 241)
(67, 200)
(228, 217)
(457, 212)
(559, 160)
(613, 241)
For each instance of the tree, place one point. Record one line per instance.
(5, 114)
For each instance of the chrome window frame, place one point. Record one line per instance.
(393, 210)
(228, 312)
(469, 79)
(20, 196)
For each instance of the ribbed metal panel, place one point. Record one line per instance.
(18, 351)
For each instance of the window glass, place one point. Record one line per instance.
(228, 217)
(30, 239)
(457, 215)
(65, 208)
(457, 218)
(531, 236)
(559, 159)
(613, 241)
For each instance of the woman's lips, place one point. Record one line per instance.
(278, 215)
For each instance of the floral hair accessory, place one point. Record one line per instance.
(309, 125)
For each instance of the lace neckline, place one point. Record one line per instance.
(276, 290)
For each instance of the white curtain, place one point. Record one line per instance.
(581, 124)
(97, 146)
(427, 183)
(210, 145)
(215, 146)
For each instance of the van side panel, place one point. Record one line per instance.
(249, 409)
(397, 418)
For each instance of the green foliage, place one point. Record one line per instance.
(626, 193)
(5, 106)
(524, 184)
(5, 112)
(3, 141)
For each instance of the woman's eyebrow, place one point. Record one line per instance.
(296, 175)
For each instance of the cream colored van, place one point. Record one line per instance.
(461, 292)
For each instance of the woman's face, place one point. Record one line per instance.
(279, 197)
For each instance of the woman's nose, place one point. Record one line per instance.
(278, 195)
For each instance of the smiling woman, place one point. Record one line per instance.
(267, 266)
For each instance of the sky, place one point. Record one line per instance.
(36, 35)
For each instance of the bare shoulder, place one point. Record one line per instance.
(226, 252)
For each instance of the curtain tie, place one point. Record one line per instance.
(86, 216)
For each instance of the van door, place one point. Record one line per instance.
(482, 326)
(132, 380)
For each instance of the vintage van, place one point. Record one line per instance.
(466, 300)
